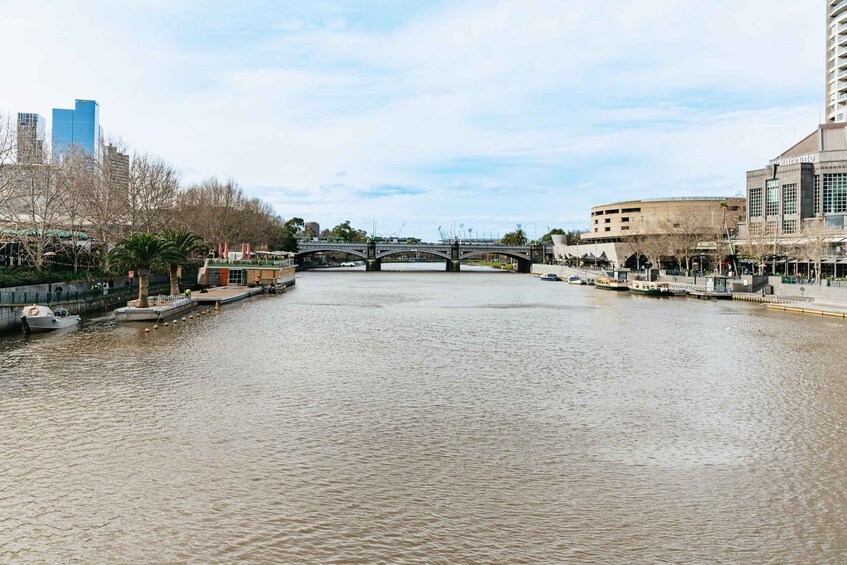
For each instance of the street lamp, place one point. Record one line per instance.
(49, 273)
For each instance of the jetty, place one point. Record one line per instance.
(226, 294)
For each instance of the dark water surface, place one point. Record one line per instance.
(429, 417)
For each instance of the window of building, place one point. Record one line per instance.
(755, 202)
(772, 197)
(608, 229)
(235, 276)
(789, 199)
(624, 228)
(835, 193)
(595, 230)
(631, 210)
(624, 219)
(789, 226)
(817, 195)
(771, 227)
(596, 222)
(608, 220)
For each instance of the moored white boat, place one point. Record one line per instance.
(160, 308)
(573, 279)
(650, 288)
(37, 318)
(549, 277)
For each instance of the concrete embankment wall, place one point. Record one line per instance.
(77, 298)
(564, 272)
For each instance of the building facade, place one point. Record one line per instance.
(79, 128)
(806, 182)
(836, 61)
(30, 138)
(657, 216)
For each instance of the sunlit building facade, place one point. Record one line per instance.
(79, 128)
(836, 61)
(809, 181)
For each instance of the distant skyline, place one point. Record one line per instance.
(483, 113)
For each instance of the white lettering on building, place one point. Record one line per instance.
(794, 160)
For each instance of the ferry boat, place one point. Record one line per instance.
(38, 318)
(608, 283)
(649, 288)
(267, 269)
(549, 277)
(573, 279)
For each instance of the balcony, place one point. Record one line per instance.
(839, 8)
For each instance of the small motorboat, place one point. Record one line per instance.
(549, 277)
(573, 279)
(37, 318)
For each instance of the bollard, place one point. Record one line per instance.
(217, 305)
(156, 327)
(147, 330)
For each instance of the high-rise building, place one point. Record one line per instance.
(118, 167)
(30, 138)
(79, 128)
(836, 60)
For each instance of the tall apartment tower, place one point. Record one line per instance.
(836, 61)
(118, 167)
(79, 128)
(30, 138)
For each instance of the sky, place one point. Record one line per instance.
(407, 116)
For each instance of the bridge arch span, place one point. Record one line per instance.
(433, 253)
(511, 254)
(351, 252)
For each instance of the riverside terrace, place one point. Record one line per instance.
(453, 253)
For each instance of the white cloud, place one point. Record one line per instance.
(563, 104)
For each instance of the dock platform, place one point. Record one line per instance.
(226, 294)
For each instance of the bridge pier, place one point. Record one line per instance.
(453, 266)
(373, 265)
(524, 266)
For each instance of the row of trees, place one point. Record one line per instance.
(63, 204)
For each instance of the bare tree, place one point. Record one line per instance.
(8, 174)
(685, 230)
(656, 247)
(636, 238)
(816, 244)
(760, 244)
(74, 177)
(152, 186)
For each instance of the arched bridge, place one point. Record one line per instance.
(453, 253)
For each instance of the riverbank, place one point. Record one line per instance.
(779, 295)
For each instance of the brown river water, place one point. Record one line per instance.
(430, 418)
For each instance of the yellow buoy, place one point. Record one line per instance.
(156, 327)
(217, 305)
(147, 330)
(183, 318)
(166, 324)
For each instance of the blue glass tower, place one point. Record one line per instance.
(79, 127)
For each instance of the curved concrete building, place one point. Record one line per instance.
(655, 216)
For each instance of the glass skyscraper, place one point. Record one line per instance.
(79, 127)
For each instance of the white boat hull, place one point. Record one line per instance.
(43, 319)
(153, 313)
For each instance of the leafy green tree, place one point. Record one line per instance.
(517, 237)
(183, 244)
(142, 252)
(349, 234)
(283, 239)
(547, 238)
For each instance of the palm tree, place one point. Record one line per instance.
(142, 252)
(517, 237)
(182, 244)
